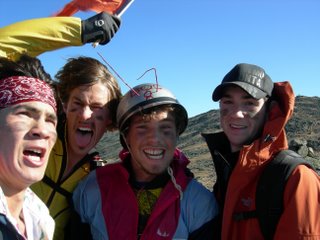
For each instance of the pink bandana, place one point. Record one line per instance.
(18, 89)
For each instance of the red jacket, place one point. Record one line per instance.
(113, 181)
(301, 216)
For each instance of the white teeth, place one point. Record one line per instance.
(85, 129)
(155, 157)
(35, 158)
(35, 151)
(154, 153)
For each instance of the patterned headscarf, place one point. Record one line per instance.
(18, 89)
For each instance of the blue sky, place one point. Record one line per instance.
(193, 44)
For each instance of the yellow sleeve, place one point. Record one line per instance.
(36, 36)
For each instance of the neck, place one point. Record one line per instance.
(15, 205)
(72, 160)
(15, 201)
(72, 157)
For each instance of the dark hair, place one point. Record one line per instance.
(25, 66)
(9, 68)
(88, 71)
(34, 67)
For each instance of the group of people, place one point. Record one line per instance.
(49, 129)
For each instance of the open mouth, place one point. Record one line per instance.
(84, 131)
(154, 153)
(34, 155)
(83, 136)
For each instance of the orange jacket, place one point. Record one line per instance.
(301, 215)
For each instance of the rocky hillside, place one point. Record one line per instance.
(303, 132)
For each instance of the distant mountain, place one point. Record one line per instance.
(303, 131)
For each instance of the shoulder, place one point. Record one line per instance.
(196, 193)
(110, 171)
(88, 184)
(304, 176)
(195, 187)
(89, 188)
(301, 204)
(198, 206)
(303, 185)
(86, 196)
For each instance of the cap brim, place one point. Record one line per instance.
(251, 90)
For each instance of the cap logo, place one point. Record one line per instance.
(146, 91)
(254, 78)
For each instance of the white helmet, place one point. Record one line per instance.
(146, 96)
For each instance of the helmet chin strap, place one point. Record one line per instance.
(173, 179)
(125, 141)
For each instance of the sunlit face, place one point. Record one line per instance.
(241, 116)
(151, 143)
(87, 118)
(28, 133)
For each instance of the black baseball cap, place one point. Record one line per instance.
(251, 78)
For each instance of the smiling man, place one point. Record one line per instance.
(28, 132)
(149, 194)
(253, 115)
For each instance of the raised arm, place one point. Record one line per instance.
(36, 36)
